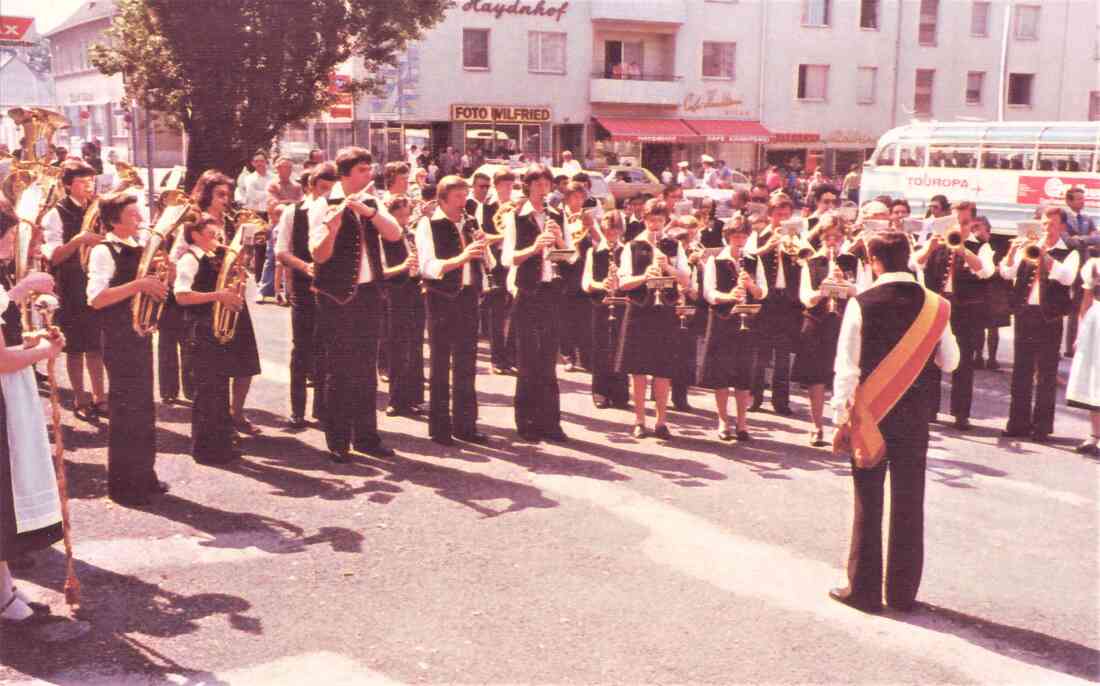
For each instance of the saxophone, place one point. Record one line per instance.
(233, 276)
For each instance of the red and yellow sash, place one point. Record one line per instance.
(877, 395)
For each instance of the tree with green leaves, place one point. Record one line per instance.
(235, 73)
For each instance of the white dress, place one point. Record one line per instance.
(1083, 389)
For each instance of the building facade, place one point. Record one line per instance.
(811, 82)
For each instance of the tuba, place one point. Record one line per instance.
(233, 275)
(154, 260)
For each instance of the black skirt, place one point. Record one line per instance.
(728, 354)
(12, 543)
(813, 363)
(240, 357)
(648, 343)
(77, 320)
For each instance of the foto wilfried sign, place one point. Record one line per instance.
(517, 8)
(503, 114)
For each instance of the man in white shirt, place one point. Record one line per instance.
(569, 166)
(685, 178)
(252, 187)
(877, 324)
(711, 176)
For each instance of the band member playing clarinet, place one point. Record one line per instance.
(63, 243)
(405, 305)
(529, 233)
(292, 251)
(343, 239)
(813, 367)
(1041, 272)
(609, 389)
(650, 329)
(729, 279)
(113, 281)
(451, 263)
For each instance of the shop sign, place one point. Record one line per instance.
(1044, 190)
(341, 108)
(795, 137)
(502, 114)
(516, 7)
(13, 30)
(709, 100)
(850, 137)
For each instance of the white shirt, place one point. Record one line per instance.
(5, 299)
(752, 246)
(1062, 272)
(985, 256)
(686, 179)
(508, 250)
(285, 227)
(710, 277)
(1089, 275)
(679, 264)
(53, 233)
(711, 178)
(430, 266)
(849, 347)
(253, 190)
(101, 265)
(570, 167)
(186, 270)
(318, 229)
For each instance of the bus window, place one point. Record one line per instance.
(1012, 157)
(951, 156)
(886, 157)
(912, 155)
(1063, 158)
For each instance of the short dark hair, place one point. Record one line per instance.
(481, 176)
(392, 171)
(326, 171)
(533, 174)
(637, 197)
(503, 175)
(575, 187)
(191, 227)
(1063, 216)
(203, 192)
(670, 189)
(892, 249)
(559, 178)
(112, 205)
(350, 157)
(397, 202)
(823, 189)
(966, 205)
(656, 206)
(581, 177)
(779, 200)
(901, 201)
(1071, 190)
(74, 169)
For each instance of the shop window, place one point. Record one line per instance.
(979, 19)
(545, 52)
(866, 78)
(1019, 89)
(816, 12)
(922, 92)
(975, 82)
(868, 14)
(1027, 22)
(929, 20)
(475, 48)
(813, 81)
(718, 60)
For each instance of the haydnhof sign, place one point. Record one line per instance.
(516, 7)
(502, 114)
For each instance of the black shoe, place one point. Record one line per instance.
(376, 450)
(497, 371)
(844, 595)
(228, 457)
(339, 456)
(392, 411)
(662, 433)
(443, 440)
(784, 410)
(726, 435)
(475, 437)
(682, 407)
(131, 500)
(159, 488)
(755, 407)
(1015, 433)
(992, 366)
(1089, 447)
(530, 436)
(170, 401)
(600, 402)
(817, 439)
(639, 431)
(743, 437)
(297, 423)
(963, 424)
(1041, 437)
(416, 409)
(979, 363)
(555, 436)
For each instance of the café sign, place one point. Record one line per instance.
(516, 8)
(501, 114)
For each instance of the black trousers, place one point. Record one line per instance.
(174, 353)
(1036, 353)
(576, 328)
(351, 368)
(535, 321)
(132, 433)
(303, 339)
(405, 345)
(212, 432)
(452, 346)
(606, 383)
(502, 348)
(685, 366)
(906, 458)
(1071, 320)
(779, 329)
(967, 323)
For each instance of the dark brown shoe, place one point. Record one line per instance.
(844, 595)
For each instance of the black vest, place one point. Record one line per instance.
(1054, 299)
(634, 227)
(206, 281)
(529, 274)
(711, 235)
(499, 275)
(339, 276)
(726, 273)
(819, 271)
(447, 244)
(300, 282)
(773, 262)
(72, 282)
(968, 288)
(396, 253)
(127, 259)
(641, 257)
(601, 266)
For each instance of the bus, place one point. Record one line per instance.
(1006, 168)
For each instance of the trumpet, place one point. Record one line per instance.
(791, 245)
(805, 253)
(954, 238)
(1033, 252)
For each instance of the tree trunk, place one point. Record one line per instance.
(211, 146)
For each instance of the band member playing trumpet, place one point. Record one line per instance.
(343, 239)
(731, 278)
(813, 366)
(292, 250)
(530, 233)
(650, 329)
(958, 266)
(451, 263)
(1041, 272)
(113, 281)
(62, 247)
(213, 439)
(405, 309)
(1083, 389)
(496, 301)
(601, 266)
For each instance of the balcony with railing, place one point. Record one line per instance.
(626, 86)
(643, 11)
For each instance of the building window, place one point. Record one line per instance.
(475, 48)
(929, 18)
(1019, 89)
(922, 93)
(718, 60)
(813, 81)
(979, 19)
(868, 14)
(1027, 22)
(816, 12)
(975, 80)
(546, 52)
(865, 85)
(1094, 106)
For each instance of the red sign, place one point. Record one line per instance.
(342, 105)
(793, 137)
(14, 30)
(1038, 190)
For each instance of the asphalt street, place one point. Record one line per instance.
(604, 560)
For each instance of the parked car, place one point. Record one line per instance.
(600, 190)
(626, 182)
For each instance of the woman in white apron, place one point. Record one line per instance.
(1083, 389)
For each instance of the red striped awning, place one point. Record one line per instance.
(649, 130)
(730, 130)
